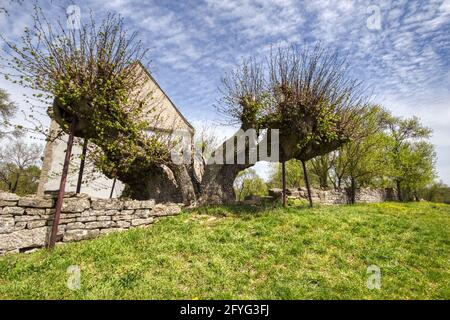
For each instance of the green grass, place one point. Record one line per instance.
(251, 253)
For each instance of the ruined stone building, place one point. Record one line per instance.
(96, 184)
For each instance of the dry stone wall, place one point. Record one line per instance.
(364, 195)
(25, 222)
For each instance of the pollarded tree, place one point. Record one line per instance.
(91, 78)
(305, 93)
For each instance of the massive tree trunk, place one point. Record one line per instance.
(192, 184)
(178, 183)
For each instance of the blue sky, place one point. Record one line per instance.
(400, 48)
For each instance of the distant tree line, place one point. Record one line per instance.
(387, 151)
(19, 161)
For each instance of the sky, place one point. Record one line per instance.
(401, 49)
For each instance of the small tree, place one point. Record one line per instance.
(416, 167)
(363, 159)
(19, 169)
(403, 134)
(321, 166)
(7, 112)
(294, 179)
(248, 183)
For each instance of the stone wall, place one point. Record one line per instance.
(337, 196)
(25, 222)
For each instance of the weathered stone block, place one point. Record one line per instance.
(6, 196)
(75, 225)
(102, 212)
(126, 212)
(132, 204)
(147, 204)
(123, 224)
(70, 215)
(4, 203)
(20, 225)
(142, 213)
(123, 217)
(76, 204)
(27, 218)
(86, 219)
(24, 239)
(138, 222)
(103, 218)
(35, 212)
(6, 224)
(80, 234)
(70, 220)
(16, 211)
(36, 224)
(88, 213)
(107, 204)
(166, 209)
(100, 224)
(111, 212)
(35, 202)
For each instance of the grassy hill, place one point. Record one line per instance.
(249, 253)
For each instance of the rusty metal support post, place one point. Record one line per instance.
(62, 186)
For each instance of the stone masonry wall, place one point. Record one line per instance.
(337, 196)
(25, 222)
